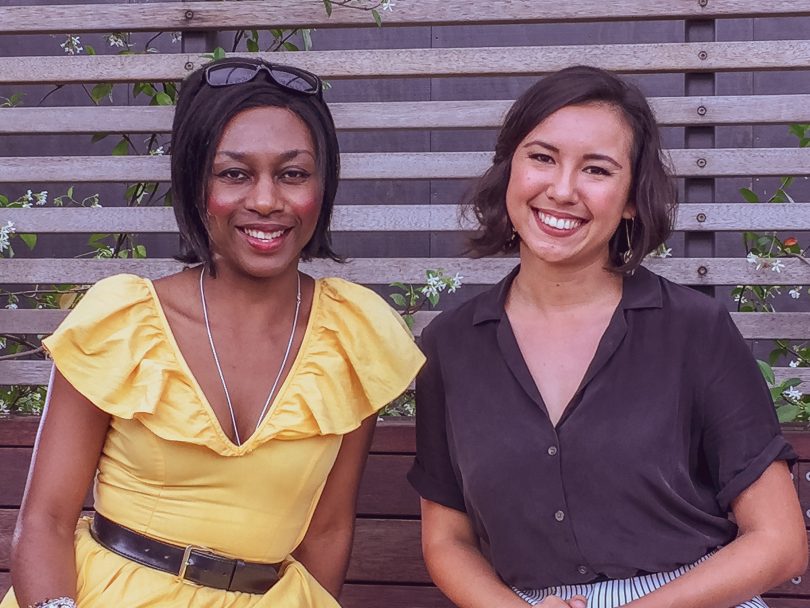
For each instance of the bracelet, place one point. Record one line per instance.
(59, 602)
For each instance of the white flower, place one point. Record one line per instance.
(41, 198)
(777, 265)
(388, 5)
(116, 40)
(177, 37)
(455, 283)
(157, 152)
(72, 45)
(430, 291)
(5, 235)
(11, 306)
(753, 258)
(794, 363)
(793, 394)
(4, 411)
(795, 293)
(665, 252)
(2, 343)
(28, 196)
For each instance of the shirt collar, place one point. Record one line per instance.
(642, 289)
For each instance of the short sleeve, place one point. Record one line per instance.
(432, 473)
(741, 433)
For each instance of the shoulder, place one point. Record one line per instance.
(449, 325)
(690, 304)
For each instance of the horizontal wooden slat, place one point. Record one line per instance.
(397, 63)
(400, 596)
(404, 218)
(37, 373)
(723, 162)
(381, 271)
(310, 13)
(754, 326)
(669, 111)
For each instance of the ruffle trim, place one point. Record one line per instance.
(117, 350)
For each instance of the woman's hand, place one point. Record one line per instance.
(552, 601)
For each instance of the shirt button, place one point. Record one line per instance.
(559, 515)
(552, 451)
(582, 570)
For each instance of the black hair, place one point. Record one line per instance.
(200, 118)
(652, 190)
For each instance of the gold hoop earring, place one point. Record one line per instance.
(629, 225)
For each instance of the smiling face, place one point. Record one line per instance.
(264, 192)
(569, 185)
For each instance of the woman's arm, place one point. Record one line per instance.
(327, 545)
(66, 454)
(770, 548)
(456, 565)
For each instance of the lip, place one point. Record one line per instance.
(563, 217)
(262, 245)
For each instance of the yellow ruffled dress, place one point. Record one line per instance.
(167, 469)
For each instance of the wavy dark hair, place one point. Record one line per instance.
(199, 120)
(652, 190)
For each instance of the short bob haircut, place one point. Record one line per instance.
(199, 120)
(652, 191)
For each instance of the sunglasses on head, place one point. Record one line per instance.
(285, 76)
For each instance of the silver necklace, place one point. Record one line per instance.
(219, 367)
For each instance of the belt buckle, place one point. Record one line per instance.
(181, 575)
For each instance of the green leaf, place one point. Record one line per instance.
(408, 321)
(3, 200)
(29, 239)
(290, 46)
(377, 19)
(70, 192)
(100, 91)
(98, 137)
(96, 241)
(163, 99)
(139, 251)
(219, 53)
(788, 413)
(398, 299)
(749, 195)
(89, 49)
(767, 372)
(327, 4)
(121, 148)
(399, 285)
(306, 36)
(433, 298)
(252, 45)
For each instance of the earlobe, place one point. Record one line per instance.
(629, 212)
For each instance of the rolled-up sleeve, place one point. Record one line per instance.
(432, 473)
(741, 433)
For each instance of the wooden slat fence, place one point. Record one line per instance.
(386, 567)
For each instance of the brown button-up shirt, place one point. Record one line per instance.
(671, 422)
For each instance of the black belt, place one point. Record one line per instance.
(195, 564)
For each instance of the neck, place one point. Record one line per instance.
(262, 300)
(551, 288)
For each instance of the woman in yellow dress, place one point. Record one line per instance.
(225, 411)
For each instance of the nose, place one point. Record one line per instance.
(562, 187)
(265, 196)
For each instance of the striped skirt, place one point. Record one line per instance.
(617, 592)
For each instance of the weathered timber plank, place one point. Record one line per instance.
(669, 111)
(190, 16)
(396, 596)
(37, 373)
(753, 326)
(787, 602)
(397, 63)
(381, 271)
(407, 218)
(387, 551)
(400, 165)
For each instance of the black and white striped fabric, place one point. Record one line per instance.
(615, 593)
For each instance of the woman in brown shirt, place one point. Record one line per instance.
(585, 427)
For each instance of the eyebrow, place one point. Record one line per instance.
(594, 156)
(284, 156)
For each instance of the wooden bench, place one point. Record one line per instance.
(416, 121)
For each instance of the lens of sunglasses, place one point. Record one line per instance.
(223, 75)
(295, 80)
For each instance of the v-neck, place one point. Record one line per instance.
(516, 361)
(205, 403)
